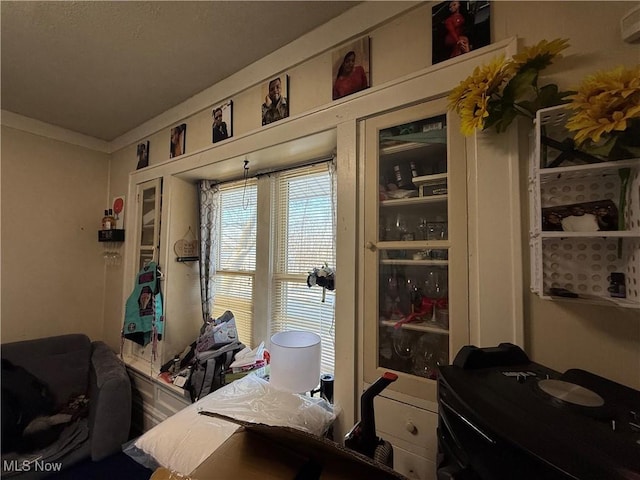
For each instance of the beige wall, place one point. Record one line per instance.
(598, 339)
(53, 199)
(603, 340)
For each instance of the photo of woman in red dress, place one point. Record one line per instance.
(459, 27)
(455, 38)
(351, 76)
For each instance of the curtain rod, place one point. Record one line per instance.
(262, 173)
(308, 163)
(271, 171)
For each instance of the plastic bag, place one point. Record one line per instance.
(254, 399)
(217, 333)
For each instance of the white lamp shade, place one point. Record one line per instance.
(295, 361)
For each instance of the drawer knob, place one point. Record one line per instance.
(411, 428)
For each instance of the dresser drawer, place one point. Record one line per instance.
(410, 428)
(412, 466)
(142, 387)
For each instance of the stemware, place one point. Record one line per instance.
(402, 343)
(423, 228)
(426, 352)
(435, 288)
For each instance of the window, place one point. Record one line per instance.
(302, 236)
(236, 256)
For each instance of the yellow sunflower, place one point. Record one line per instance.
(604, 103)
(539, 56)
(470, 99)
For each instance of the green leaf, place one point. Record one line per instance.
(603, 149)
(507, 117)
(520, 84)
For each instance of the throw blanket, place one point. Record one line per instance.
(49, 459)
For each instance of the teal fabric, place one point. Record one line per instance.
(143, 310)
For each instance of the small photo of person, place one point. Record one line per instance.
(143, 155)
(221, 129)
(178, 140)
(459, 27)
(276, 100)
(351, 68)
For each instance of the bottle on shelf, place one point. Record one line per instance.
(108, 222)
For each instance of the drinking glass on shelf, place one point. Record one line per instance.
(437, 231)
(435, 288)
(425, 357)
(423, 228)
(401, 227)
(402, 343)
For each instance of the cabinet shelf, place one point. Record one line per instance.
(595, 300)
(403, 202)
(414, 141)
(409, 262)
(413, 245)
(593, 170)
(595, 234)
(416, 326)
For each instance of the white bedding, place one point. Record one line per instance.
(185, 440)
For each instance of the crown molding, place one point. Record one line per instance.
(37, 127)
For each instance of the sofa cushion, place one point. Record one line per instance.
(61, 362)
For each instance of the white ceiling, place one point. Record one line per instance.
(101, 68)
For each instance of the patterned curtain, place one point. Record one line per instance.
(209, 203)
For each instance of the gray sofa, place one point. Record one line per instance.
(72, 365)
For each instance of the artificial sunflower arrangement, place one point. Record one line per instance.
(495, 94)
(606, 118)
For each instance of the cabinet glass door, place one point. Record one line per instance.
(149, 202)
(149, 197)
(415, 252)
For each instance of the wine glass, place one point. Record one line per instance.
(402, 343)
(401, 226)
(424, 360)
(413, 291)
(423, 228)
(435, 288)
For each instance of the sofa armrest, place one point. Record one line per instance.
(110, 402)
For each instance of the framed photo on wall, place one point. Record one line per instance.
(222, 127)
(459, 27)
(178, 140)
(276, 99)
(142, 152)
(351, 71)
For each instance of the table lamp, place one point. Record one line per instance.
(295, 361)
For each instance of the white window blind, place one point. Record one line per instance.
(304, 239)
(236, 255)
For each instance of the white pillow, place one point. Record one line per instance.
(186, 439)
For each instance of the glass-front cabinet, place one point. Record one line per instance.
(415, 246)
(148, 208)
(149, 204)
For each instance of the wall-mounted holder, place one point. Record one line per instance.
(113, 235)
(112, 241)
(187, 259)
